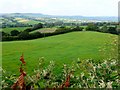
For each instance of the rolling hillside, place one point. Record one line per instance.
(64, 48)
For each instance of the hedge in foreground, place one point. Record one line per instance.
(81, 74)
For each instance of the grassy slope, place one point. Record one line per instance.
(8, 30)
(61, 48)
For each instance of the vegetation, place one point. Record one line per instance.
(14, 33)
(61, 48)
(91, 75)
(8, 30)
(77, 55)
(99, 27)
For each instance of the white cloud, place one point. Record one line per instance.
(62, 7)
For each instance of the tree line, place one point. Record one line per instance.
(26, 35)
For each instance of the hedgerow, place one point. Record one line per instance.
(81, 74)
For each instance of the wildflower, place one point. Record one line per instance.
(94, 68)
(38, 75)
(64, 65)
(22, 60)
(20, 82)
(102, 84)
(67, 83)
(99, 66)
(109, 84)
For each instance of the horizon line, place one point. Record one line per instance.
(50, 14)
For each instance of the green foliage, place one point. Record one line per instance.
(63, 48)
(104, 29)
(112, 30)
(10, 38)
(37, 26)
(4, 34)
(8, 30)
(36, 35)
(24, 35)
(14, 33)
(91, 75)
(92, 27)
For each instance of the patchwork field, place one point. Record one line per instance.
(65, 48)
(26, 21)
(45, 30)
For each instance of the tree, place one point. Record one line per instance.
(77, 28)
(35, 35)
(38, 26)
(4, 33)
(104, 29)
(24, 35)
(14, 32)
(28, 30)
(92, 27)
(112, 30)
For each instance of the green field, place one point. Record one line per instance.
(64, 48)
(8, 30)
(45, 30)
(31, 22)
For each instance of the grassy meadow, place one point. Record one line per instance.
(8, 30)
(64, 48)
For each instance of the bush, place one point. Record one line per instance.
(10, 38)
(38, 26)
(36, 35)
(28, 30)
(4, 33)
(81, 74)
(24, 35)
(104, 29)
(14, 32)
(112, 30)
(77, 28)
(92, 27)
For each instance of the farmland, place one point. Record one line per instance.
(55, 48)
(45, 30)
(8, 30)
(26, 21)
(65, 48)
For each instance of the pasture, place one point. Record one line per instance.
(64, 48)
(8, 30)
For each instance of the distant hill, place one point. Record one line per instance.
(39, 15)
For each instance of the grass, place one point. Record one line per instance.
(8, 30)
(45, 30)
(64, 48)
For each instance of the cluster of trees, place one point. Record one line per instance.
(105, 29)
(26, 35)
(23, 35)
(5, 25)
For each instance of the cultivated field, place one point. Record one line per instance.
(45, 30)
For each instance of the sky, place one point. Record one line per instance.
(61, 7)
